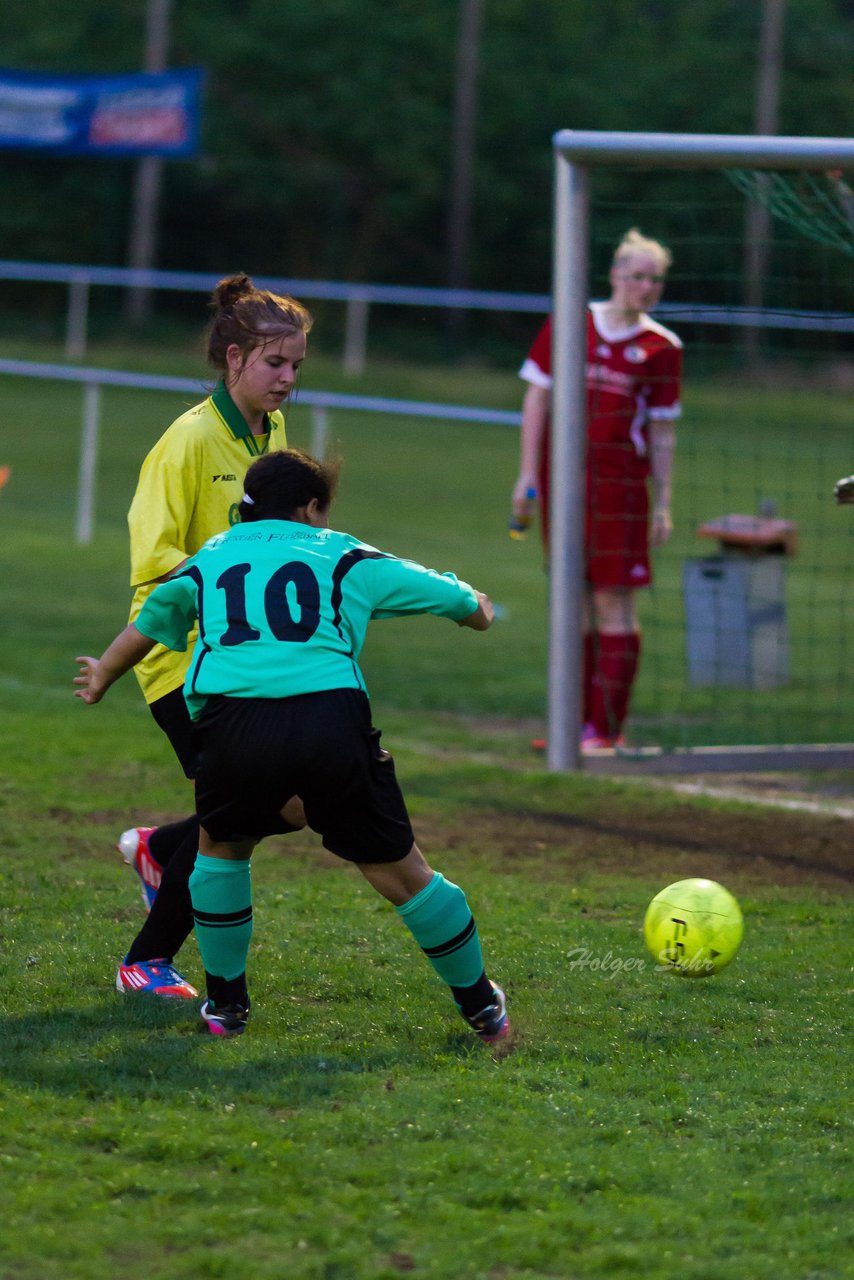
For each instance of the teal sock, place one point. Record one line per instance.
(439, 919)
(221, 894)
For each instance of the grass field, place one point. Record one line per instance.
(635, 1124)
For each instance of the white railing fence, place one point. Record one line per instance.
(320, 403)
(358, 298)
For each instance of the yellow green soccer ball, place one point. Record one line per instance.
(693, 928)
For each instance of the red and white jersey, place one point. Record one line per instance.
(633, 378)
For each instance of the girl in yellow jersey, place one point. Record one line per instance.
(189, 489)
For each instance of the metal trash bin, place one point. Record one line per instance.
(736, 628)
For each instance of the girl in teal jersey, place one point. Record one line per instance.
(282, 604)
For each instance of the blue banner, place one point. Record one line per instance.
(145, 114)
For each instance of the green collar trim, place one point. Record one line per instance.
(234, 420)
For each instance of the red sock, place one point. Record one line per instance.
(616, 667)
(588, 669)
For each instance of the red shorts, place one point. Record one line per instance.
(616, 531)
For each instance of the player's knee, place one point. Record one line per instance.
(399, 881)
(615, 611)
(294, 813)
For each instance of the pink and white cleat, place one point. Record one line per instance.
(230, 1020)
(491, 1023)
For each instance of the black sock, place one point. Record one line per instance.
(164, 840)
(170, 920)
(223, 991)
(474, 999)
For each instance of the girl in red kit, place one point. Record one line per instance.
(633, 378)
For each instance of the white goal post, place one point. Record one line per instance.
(576, 151)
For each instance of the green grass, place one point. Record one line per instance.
(638, 1125)
(355, 1133)
(638, 1122)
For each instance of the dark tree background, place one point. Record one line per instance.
(327, 128)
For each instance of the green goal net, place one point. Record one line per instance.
(819, 206)
(748, 629)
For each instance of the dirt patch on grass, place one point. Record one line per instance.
(682, 840)
(671, 840)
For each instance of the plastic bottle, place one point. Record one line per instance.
(518, 526)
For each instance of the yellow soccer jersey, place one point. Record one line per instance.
(189, 489)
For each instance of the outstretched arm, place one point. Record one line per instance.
(97, 674)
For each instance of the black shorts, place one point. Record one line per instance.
(255, 753)
(172, 715)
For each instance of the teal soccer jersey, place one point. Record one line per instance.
(283, 609)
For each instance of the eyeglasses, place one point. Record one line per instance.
(639, 276)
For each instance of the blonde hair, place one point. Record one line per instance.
(635, 242)
(250, 317)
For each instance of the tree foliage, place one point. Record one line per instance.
(327, 127)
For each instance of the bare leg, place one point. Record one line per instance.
(614, 611)
(294, 813)
(399, 881)
(233, 850)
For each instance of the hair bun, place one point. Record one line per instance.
(232, 289)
